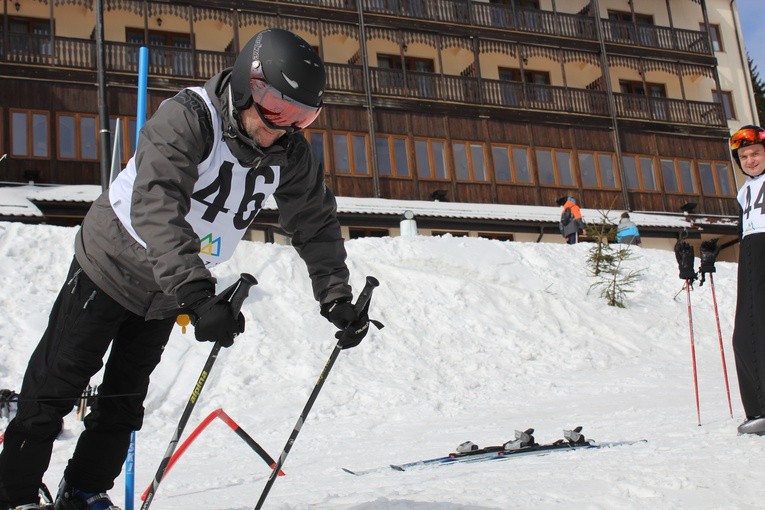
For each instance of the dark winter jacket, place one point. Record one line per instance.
(571, 221)
(187, 197)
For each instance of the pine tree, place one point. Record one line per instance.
(758, 86)
(605, 263)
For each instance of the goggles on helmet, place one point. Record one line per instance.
(275, 109)
(747, 136)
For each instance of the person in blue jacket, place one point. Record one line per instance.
(627, 232)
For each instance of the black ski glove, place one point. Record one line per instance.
(709, 252)
(353, 326)
(684, 256)
(212, 317)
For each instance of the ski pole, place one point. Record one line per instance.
(693, 351)
(722, 349)
(236, 294)
(361, 303)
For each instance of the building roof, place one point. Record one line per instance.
(19, 201)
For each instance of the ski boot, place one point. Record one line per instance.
(753, 426)
(69, 498)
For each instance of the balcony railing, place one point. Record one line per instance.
(349, 79)
(675, 111)
(651, 36)
(483, 14)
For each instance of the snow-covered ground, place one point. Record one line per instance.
(482, 337)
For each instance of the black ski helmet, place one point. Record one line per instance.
(289, 64)
(743, 137)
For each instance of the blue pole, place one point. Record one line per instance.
(143, 71)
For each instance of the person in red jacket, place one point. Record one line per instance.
(571, 221)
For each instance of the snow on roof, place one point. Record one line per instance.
(15, 201)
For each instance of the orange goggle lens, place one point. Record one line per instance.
(744, 137)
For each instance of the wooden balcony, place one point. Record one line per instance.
(534, 21)
(348, 80)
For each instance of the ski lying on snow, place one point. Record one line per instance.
(523, 444)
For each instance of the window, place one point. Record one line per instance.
(715, 178)
(392, 156)
(554, 167)
(639, 172)
(29, 134)
(469, 161)
(596, 170)
(431, 159)
(29, 36)
(176, 54)
(351, 155)
(714, 33)
(678, 176)
(127, 134)
(318, 146)
(360, 232)
(78, 136)
(511, 164)
(727, 103)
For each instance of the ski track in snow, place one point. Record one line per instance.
(482, 337)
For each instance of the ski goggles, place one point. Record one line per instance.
(748, 136)
(277, 110)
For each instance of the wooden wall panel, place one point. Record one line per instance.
(525, 195)
(431, 126)
(343, 118)
(507, 132)
(646, 201)
(466, 129)
(390, 122)
(593, 139)
(398, 189)
(638, 143)
(712, 149)
(473, 192)
(551, 136)
(353, 186)
(674, 146)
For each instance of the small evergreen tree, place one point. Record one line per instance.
(605, 263)
(758, 86)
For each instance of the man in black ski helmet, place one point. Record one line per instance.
(205, 163)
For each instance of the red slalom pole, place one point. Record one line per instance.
(722, 349)
(693, 351)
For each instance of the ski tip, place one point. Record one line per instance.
(349, 471)
(397, 468)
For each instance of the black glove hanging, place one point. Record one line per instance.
(211, 315)
(709, 251)
(684, 256)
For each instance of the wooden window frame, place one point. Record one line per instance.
(392, 160)
(361, 232)
(432, 170)
(556, 170)
(678, 177)
(714, 166)
(78, 136)
(598, 172)
(128, 136)
(354, 172)
(509, 149)
(30, 133)
(470, 166)
(325, 145)
(639, 173)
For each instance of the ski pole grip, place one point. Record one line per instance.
(243, 286)
(366, 293)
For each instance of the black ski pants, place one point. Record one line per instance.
(83, 324)
(749, 329)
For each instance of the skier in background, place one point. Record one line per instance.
(627, 232)
(571, 221)
(205, 163)
(747, 146)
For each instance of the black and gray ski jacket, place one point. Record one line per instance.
(186, 198)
